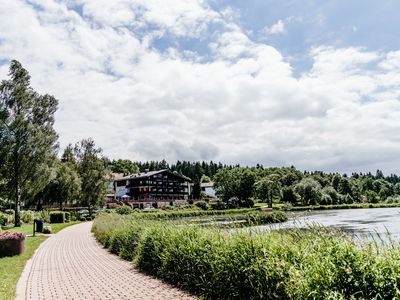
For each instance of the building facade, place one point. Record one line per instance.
(208, 189)
(153, 187)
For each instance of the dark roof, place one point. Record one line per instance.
(151, 173)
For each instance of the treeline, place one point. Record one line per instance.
(190, 169)
(243, 185)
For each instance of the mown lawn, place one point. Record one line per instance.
(12, 267)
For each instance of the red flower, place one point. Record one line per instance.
(6, 235)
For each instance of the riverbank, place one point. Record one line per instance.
(340, 206)
(313, 264)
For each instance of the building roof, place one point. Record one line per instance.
(207, 184)
(150, 173)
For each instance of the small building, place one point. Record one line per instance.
(156, 188)
(208, 189)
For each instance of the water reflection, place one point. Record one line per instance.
(380, 224)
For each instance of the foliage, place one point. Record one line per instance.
(3, 219)
(59, 217)
(219, 205)
(65, 185)
(27, 216)
(124, 166)
(237, 182)
(309, 191)
(203, 205)
(93, 173)
(268, 188)
(27, 137)
(123, 210)
(313, 264)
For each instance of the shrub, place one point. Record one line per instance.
(266, 217)
(203, 205)
(3, 219)
(123, 210)
(58, 217)
(219, 205)
(43, 215)
(9, 211)
(27, 216)
(67, 217)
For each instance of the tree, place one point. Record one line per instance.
(247, 179)
(236, 182)
(93, 174)
(65, 186)
(269, 188)
(344, 187)
(289, 195)
(68, 155)
(205, 179)
(333, 195)
(124, 166)
(309, 191)
(27, 137)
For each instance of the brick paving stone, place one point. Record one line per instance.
(72, 265)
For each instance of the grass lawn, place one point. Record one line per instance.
(12, 267)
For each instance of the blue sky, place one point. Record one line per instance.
(315, 84)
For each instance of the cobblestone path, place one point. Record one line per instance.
(72, 265)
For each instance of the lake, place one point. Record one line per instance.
(367, 224)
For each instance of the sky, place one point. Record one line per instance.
(314, 84)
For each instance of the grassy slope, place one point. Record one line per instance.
(12, 267)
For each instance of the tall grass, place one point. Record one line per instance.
(313, 264)
(175, 214)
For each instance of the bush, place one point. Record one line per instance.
(27, 216)
(203, 205)
(3, 219)
(123, 210)
(67, 217)
(267, 217)
(59, 217)
(219, 205)
(9, 211)
(43, 215)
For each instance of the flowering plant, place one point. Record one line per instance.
(6, 235)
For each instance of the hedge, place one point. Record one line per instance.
(59, 217)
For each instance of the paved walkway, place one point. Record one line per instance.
(71, 265)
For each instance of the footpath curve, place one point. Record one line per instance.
(72, 265)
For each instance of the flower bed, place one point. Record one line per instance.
(11, 243)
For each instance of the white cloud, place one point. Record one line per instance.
(276, 28)
(243, 105)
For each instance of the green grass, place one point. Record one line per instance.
(12, 267)
(220, 264)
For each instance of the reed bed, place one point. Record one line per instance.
(216, 264)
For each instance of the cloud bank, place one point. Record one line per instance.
(240, 104)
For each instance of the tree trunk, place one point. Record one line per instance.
(90, 208)
(17, 217)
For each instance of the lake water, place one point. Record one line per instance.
(367, 224)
